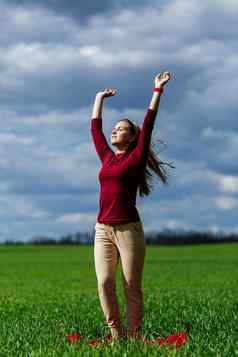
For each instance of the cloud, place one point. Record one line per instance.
(53, 153)
(22, 208)
(229, 6)
(228, 183)
(226, 203)
(79, 10)
(76, 218)
(80, 52)
(22, 25)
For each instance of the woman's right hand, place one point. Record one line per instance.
(106, 93)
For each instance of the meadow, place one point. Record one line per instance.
(49, 292)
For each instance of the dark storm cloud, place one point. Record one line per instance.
(79, 10)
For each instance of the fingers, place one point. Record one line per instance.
(167, 74)
(110, 91)
(159, 76)
(163, 75)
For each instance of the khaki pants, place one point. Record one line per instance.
(126, 242)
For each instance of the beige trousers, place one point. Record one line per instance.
(125, 242)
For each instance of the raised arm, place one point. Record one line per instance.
(99, 139)
(160, 80)
(141, 150)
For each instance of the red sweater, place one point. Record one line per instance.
(119, 173)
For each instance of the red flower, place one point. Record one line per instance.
(179, 338)
(74, 337)
(96, 342)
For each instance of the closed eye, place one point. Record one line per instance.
(120, 129)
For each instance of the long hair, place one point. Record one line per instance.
(153, 163)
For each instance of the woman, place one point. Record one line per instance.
(119, 230)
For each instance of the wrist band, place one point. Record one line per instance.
(158, 89)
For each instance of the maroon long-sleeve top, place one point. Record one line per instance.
(119, 173)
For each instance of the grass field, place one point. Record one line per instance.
(48, 292)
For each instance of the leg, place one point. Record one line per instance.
(106, 257)
(132, 251)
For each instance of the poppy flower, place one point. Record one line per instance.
(96, 342)
(73, 338)
(178, 338)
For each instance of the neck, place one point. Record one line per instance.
(120, 151)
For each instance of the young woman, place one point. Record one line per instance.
(119, 231)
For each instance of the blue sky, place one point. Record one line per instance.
(55, 56)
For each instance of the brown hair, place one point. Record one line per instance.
(153, 163)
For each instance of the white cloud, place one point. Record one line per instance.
(198, 175)
(77, 218)
(175, 224)
(228, 183)
(55, 148)
(212, 133)
(167, 32)
(226, 203)
(21, 207)
(34, 24)
(229, 6)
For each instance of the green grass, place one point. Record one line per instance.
(49, 292)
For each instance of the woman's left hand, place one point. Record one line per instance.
(162, 78)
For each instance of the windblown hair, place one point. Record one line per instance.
(153, 163)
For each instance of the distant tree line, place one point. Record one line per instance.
(190, 238)
(152, 238)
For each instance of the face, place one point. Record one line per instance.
(121, 133)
